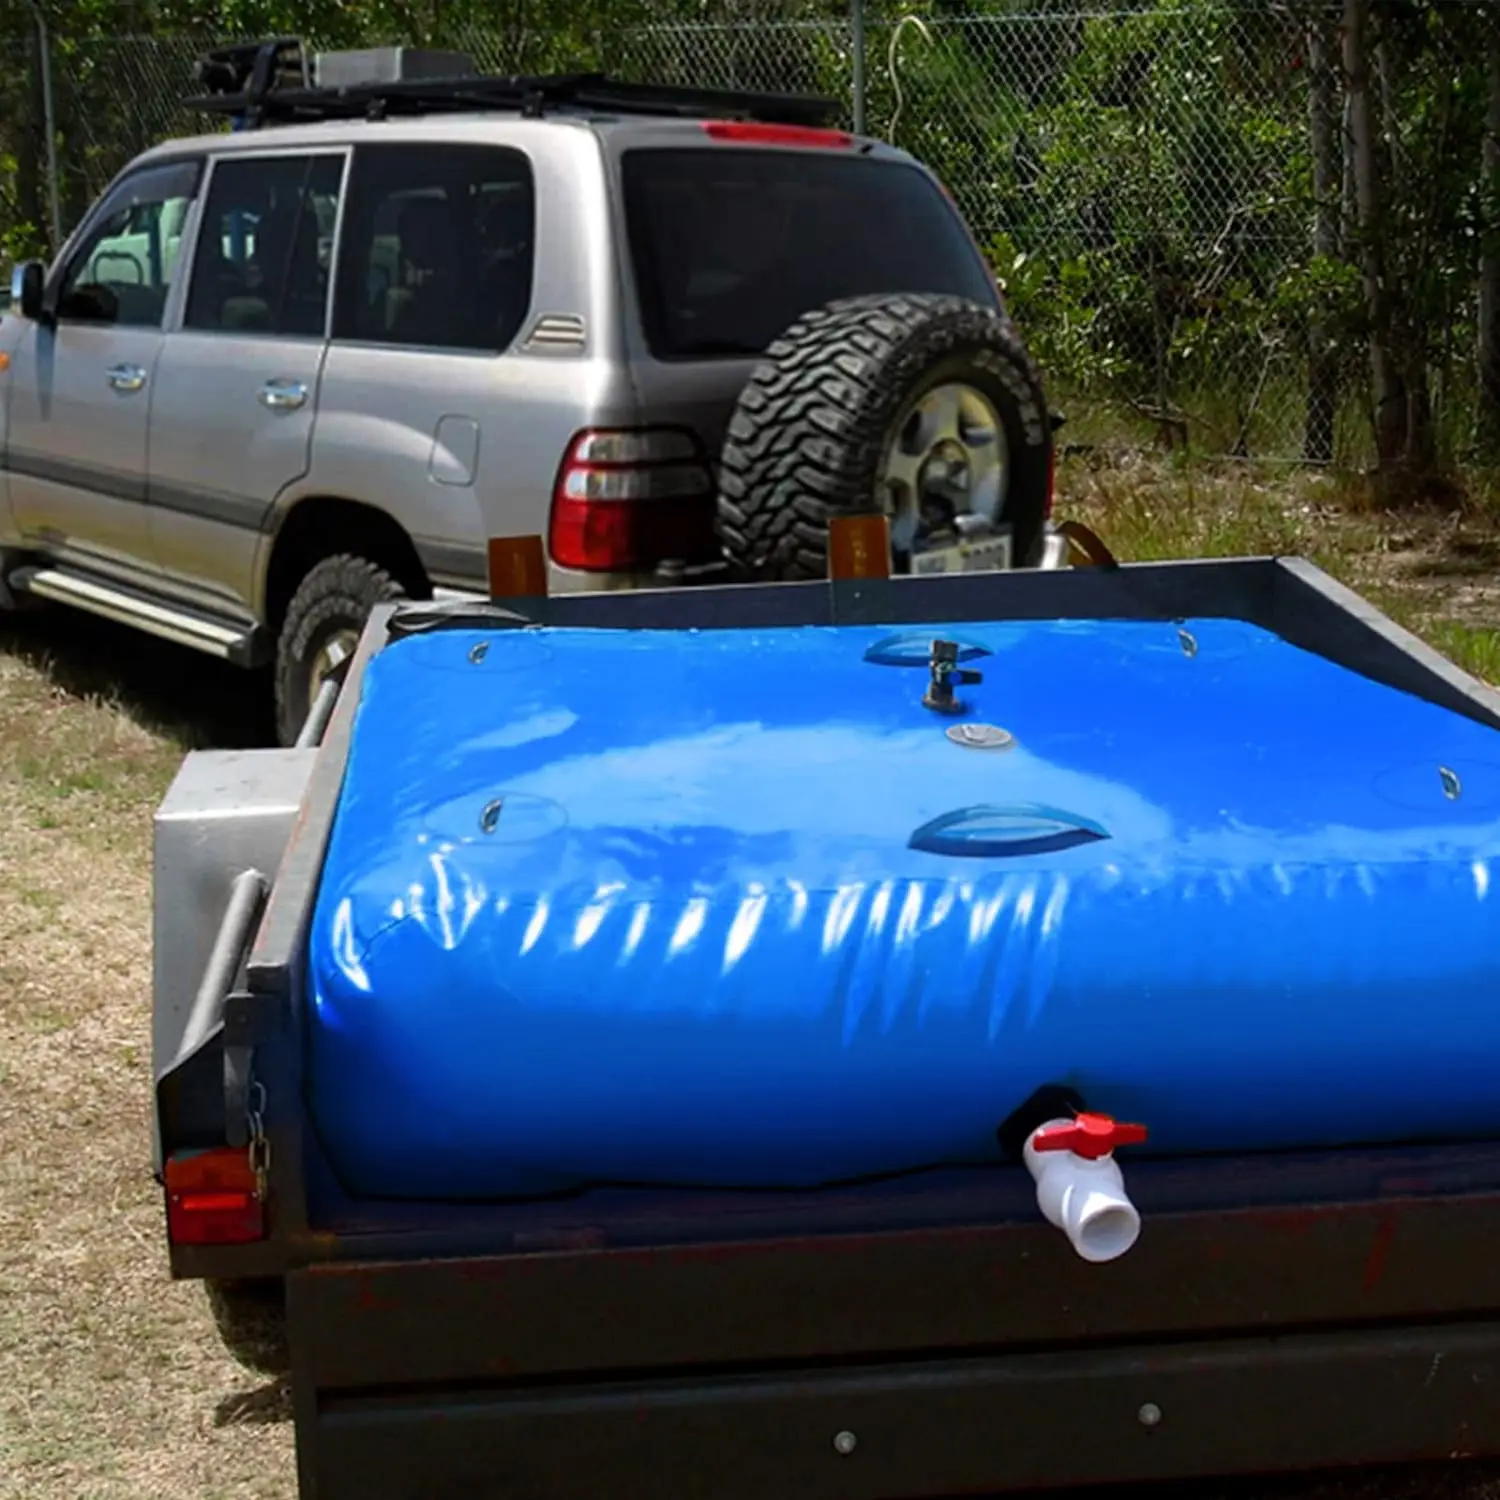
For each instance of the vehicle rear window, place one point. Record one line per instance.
(731, 246)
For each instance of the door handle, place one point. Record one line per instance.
(283, 395)
(125, 378)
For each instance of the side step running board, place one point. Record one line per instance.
(242, 645)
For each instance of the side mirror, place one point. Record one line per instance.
(27, 285)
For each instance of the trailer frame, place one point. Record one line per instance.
(923, 1337)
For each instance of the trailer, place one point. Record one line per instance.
(1258, 1306)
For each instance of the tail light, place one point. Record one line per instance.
(213, 1199)
(626, 500)
(755, 133)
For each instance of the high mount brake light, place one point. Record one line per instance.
(753, 133)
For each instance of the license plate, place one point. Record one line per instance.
(991, 554)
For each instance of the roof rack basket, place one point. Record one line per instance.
(270, 83)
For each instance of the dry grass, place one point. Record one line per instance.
(111, 1383)
(1435, 569)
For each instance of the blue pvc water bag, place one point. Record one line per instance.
(734, 908)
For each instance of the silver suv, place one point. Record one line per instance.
(281, 373)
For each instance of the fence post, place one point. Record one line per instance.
(857, 25)
(49, 113)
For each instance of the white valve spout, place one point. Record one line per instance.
(1083, 1196)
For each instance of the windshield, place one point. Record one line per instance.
(731, 246)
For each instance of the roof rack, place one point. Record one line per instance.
(269, 83)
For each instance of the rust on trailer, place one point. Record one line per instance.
(367, 1297)
(898, 1294)
(1295, 1222)
(1380, 1251)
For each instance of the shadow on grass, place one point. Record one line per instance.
(266, 1406)
(187, 697)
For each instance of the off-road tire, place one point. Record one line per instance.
(336, 594)
(250, 1317)
(809, 434)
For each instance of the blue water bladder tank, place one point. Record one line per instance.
(733, 907)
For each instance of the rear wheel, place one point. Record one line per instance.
(323, 624)
(924, 408)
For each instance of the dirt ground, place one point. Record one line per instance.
(111, 1384)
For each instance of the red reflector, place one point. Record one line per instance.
(617, 536)
(753, 133)
(212, 1199)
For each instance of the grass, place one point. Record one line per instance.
(111, 1383)
(1434, 569)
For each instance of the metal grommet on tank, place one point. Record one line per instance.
(981, 736)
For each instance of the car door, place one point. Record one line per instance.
(237, 384)
(81, 377)
(419, 409)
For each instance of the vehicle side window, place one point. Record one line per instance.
(121, 274)
(437, 247)
(265, 247)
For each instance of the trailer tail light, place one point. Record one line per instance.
(754, 133)
(213, 1199)
(626, 500)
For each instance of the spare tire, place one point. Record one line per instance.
(925, 407)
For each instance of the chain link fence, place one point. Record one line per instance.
(1162, 188)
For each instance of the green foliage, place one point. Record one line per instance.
(1144, 172)
(1139, 171)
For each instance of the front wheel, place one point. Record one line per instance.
(323, 625)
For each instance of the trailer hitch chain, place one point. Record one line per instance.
(259, 1149)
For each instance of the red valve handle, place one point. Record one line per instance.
(1088, 1135)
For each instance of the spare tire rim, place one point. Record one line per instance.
(946, 469)
(331, 654)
